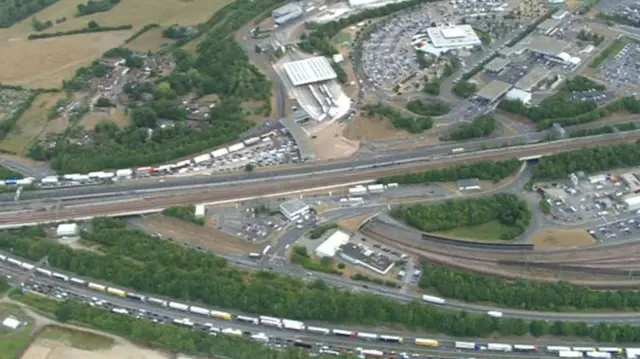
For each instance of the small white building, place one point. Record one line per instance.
(200, 211)
(468, 184)
(11, 323)
(338, 58)
(67, 230)
(632, 202)
(520, 95)
(294, 208)
(597, 179)
(330, 246)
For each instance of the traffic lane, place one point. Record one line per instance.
(308, 169)
(271, 189)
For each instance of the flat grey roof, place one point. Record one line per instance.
(532, 78)
(293, 205)
(548, 24)
(308, 71)
(307, 151)
(546, 45)
(467, 182)
(493, 90)
(285, 9)
(378, 261)
(496, 65)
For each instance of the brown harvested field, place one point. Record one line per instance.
(34, 124)
(364, 128)
(117, 116)
(44, 63)
(572, 4)
(151, 40)
(207, 236)
(561, 238)
(331, 144)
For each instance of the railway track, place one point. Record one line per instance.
(213, 194)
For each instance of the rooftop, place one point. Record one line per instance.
(329, 247)
(286, 9)
(548, 24)
(452, 36)
(496, 65)
(367, 257)
(493, 90)
(308, 71)
(532, 78)
(293, 205)
(467, 182)
(545, 44)
(517, 94)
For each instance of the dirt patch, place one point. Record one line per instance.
(364, 128)
(545, 239)
(331, 144)
(207, 236)
(352, 224)
(151, 40)
(53, 349)
(33, 124)
(115, 115)
(572, 4)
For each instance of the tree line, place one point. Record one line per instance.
(589, 160)
(96, 6)
(485, 170)
(428, 108)
(480, 126)
(12, 12)
(621, 127)
(522, 294)
(168, 337)
(140, 32)
(219, 66)
(558, 108)
(185, 213)
(139, 261)
(7, 125)
(508, 209)
(590, 36)
(411, 124)
(92, 27)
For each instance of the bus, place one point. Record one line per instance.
(255, 255)
(457, 150)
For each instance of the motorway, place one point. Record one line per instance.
(164, 314)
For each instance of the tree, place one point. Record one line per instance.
(103, 102)
(248, 167)
(63, 314)
(257, 49)
(92, 25)
(144, 117)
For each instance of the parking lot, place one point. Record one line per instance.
(623, 70)
(599, 97)
(629, 9)
(619, 230)
(387, 56)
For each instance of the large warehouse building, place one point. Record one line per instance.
(314, 85)
(441, 39)
(550, 48)
(330, 247)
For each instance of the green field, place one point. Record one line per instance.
(342, 37)
(13, 343)
(490, 231)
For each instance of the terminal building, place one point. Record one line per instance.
(330, 246)
(314, 86)
(441, 39)
(519, 95)
(294, 209)
(532, 79)
(496, 65)
(550, 48)
(493, 92)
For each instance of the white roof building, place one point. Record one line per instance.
(308, 71)
(294, 208)
(11, 323)
(338, 58)
(330, 246)
(521, 95)
(67, 229)
(632, 202)
(445, 38)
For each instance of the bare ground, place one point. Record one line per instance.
(207, 236)
(352, 224)
(561, 238)
(364, 128)
(117, 116)
(331, 144)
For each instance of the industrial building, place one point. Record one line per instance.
(315, 88)
(360, 255)
(550, 48)
(294, 208)
(546, 27)
(308, 71)
(468, 184)
(496, 65)
(286, 13)
(493, 91)
(560, 14)
(532, 79)
(446, 38)
(631, 202)
(519, 95)
(632, 181)
(330, 246)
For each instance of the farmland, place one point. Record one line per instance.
(44, 63)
